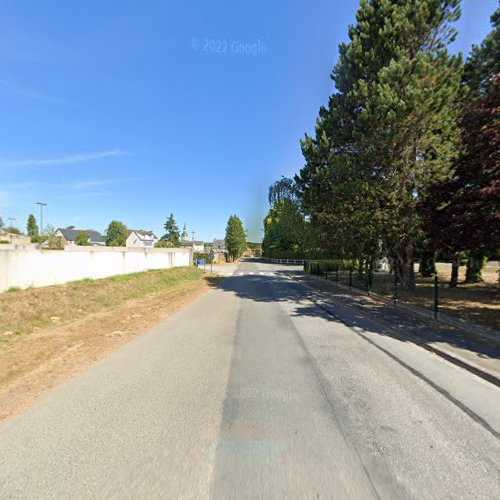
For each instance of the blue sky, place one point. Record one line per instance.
(131, 110)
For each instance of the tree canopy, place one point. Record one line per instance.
(235, 237)
(388, 132)
(116, 234)
(82, 239)
(284, 224)
(32, 228)
(405, 155)
(49, 235)
(461, 213)
(172, 235)
(484, 60)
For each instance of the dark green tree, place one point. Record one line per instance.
(388, 133)
(82, 239)
(172, 234)
(116, 234)
(484, 60)
(2, 223)
(235, 237)
(32, 228)
(461, 213)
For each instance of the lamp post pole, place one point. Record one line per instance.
(41, 214)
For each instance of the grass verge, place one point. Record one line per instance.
(61, 330)
(25, 311)
(475, 302)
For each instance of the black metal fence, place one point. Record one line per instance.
(380, 282)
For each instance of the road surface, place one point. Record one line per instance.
(255, 391)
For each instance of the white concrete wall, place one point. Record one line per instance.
(23, 266)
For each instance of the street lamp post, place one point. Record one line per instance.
(41, 214)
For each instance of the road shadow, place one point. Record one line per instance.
(319, 298)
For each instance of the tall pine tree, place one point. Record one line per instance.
(172, 234)
(389, 132)
(235, 237)
(32, 228)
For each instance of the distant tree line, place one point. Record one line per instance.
(405, 159)
(117, 232)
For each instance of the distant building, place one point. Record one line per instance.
(219, 246)
(68, 236)
(14, 239)
(138, 238)
(196, 245)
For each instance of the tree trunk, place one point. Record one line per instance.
(408, 271)
(360, 269)
(475, 264)
(405, 269)
(397, 267)
(427, 265)
(455, 266)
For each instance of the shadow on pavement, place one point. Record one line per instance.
(354, 310)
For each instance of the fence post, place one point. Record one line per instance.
(370, 279)
(350, 278)
(318, 273)
(436, 296)
(337, 274)
(395, 294)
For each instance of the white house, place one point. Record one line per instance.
(140, 238)
(219, 246)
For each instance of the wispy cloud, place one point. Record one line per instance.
(86, 194)
(32, 94)
(63, 160)
(71, 185)
(92, 183)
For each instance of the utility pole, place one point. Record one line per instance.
(41, 214)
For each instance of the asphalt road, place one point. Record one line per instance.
(255, 391)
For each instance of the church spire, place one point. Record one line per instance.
(184, 236)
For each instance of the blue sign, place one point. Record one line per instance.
(200, 262)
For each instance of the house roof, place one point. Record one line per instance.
(219, 244)
(141, 233)
(70, 234)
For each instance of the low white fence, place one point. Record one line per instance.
(296, 262)
(23, 266)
